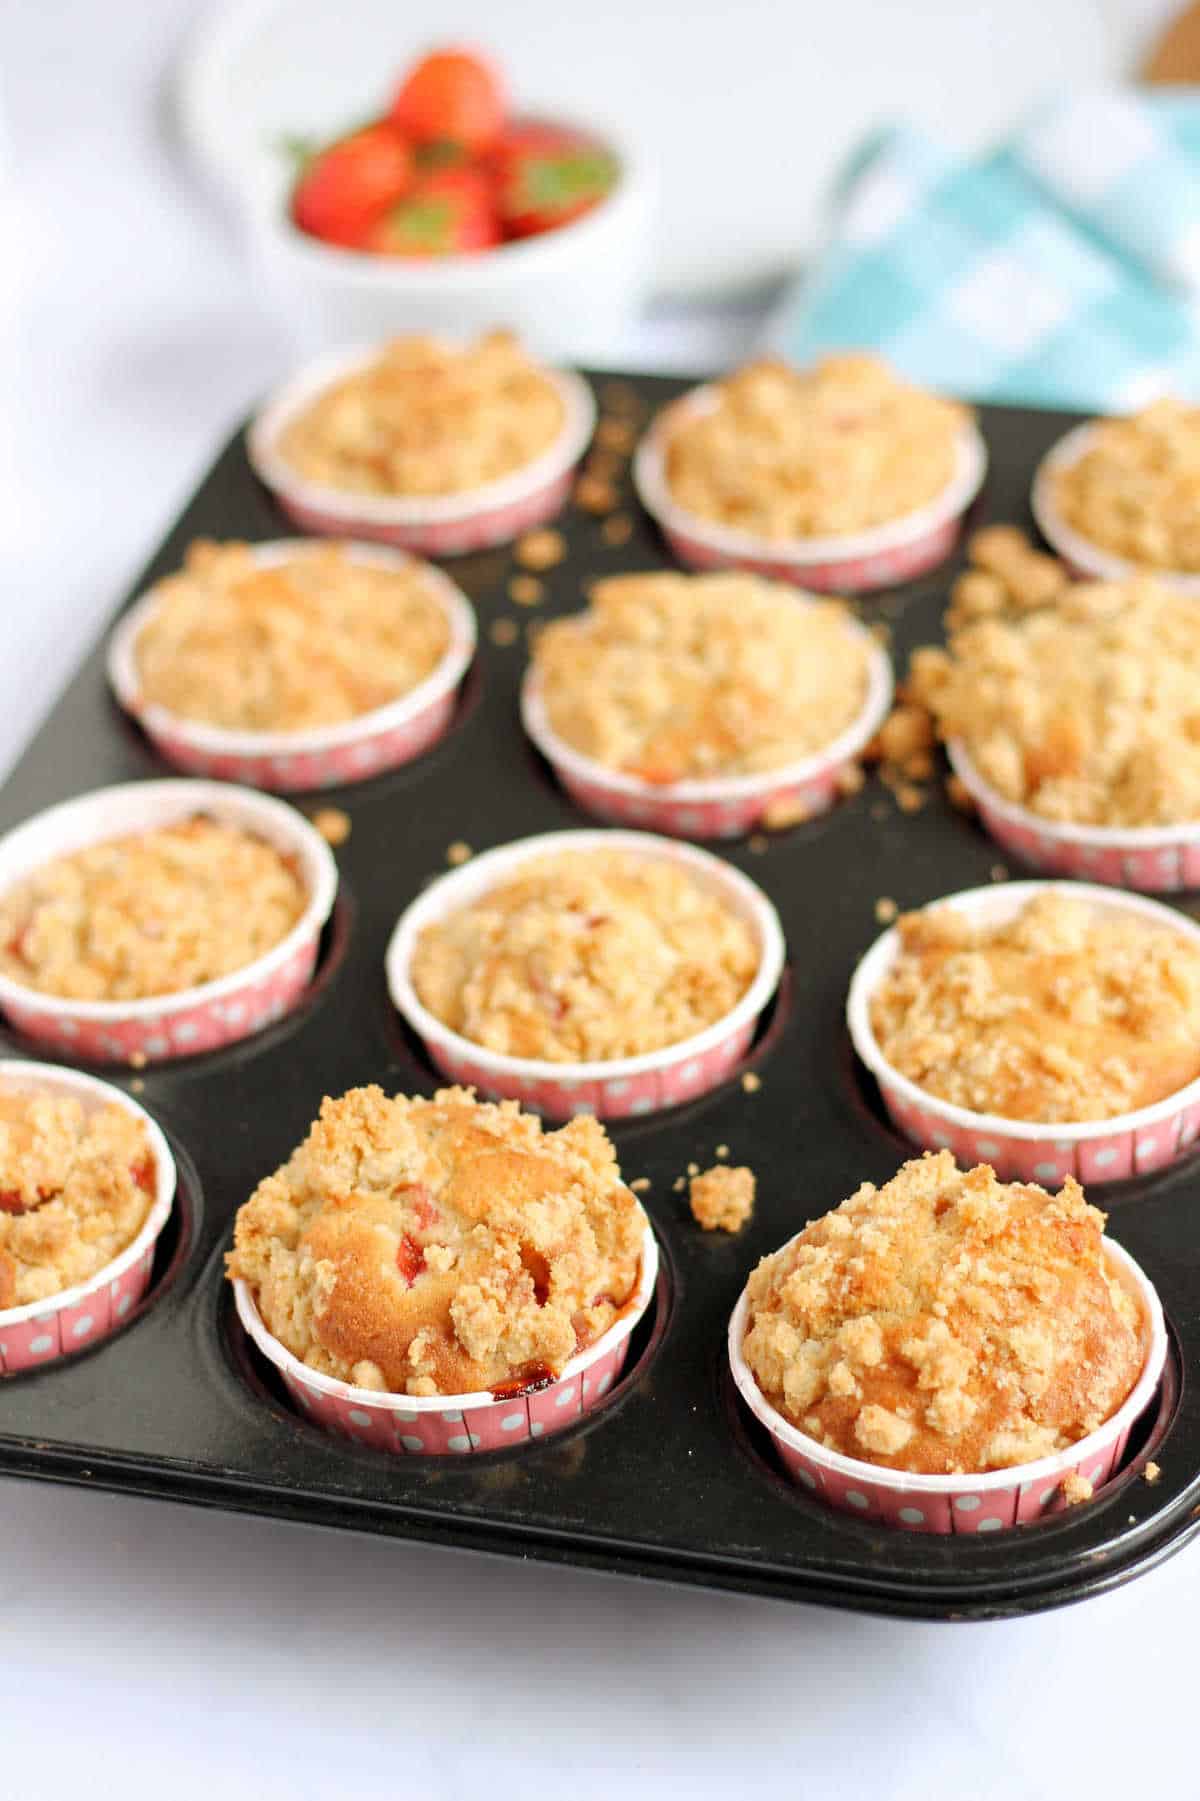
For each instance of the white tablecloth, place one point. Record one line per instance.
(156, 1651)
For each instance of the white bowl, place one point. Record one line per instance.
(569, 293)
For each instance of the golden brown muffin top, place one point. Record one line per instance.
(946, 1323)
(426, 418)
(586, 956)
(152, 913)
(1135, 491)
(1086, 711)
(440, 1246)
(76, 1186)
(1064, 1013)
(670, 677)
(287, 647)
(813, 453)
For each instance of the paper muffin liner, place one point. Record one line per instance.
(619, 1087)
(967, 1503)
(1105, 1150)
(851, 563)
(448, 1425)
(43, 1331)
(721, 807)
(1081, 556)
(194, 1019)
(434, 525)
(329, 756)
(1153, 859)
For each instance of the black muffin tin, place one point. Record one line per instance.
(671, 1478)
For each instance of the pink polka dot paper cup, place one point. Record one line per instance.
(1082, 557)
(968, 1503)
(332, 755)
(1153, 859)
(429, 525)
(721, 807)
(853, 563)
(195, 1019)
(1094, 1151)
(449, 1425)
(43, 1331)
(623, 1086)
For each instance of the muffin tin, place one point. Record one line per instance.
(671, 1477)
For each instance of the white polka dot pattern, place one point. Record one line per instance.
(442, 538)
(59, 1330)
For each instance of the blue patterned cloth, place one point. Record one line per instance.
(1060, 269)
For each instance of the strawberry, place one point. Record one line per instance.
(344, 188)
(410, 1259)
(447, 213)
(452, 96)
(548, 176)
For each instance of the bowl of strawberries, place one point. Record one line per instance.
(449, 210)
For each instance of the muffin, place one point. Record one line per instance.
(292, 645)
(76, 1187)
(1061, 1013)
(838, 448)
(1084, 712)
(586, 956)
(427, 418)
(671, 677)
(1134, 489)
(440, 1247)
(149, 914)
(946, 1324)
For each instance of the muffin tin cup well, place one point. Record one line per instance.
(449, 1425)
(193, 1019)
(621, 1087)
(435, 525)
(968, 1503)
(329, 756)
(1095, 1151)
(41, 1332)
(852, 563)
(1082, 557)
(722, 807)
(1154, 859)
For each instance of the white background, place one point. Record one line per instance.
(155, 1651)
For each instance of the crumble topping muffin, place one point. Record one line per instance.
(75, 1190)
(586, 956)
(946, 1323)
(1135, 491)
(722, 1198)
(427, 418)
(812, 453)
(440, 1246)
(149, 914)
(1061, 1015)
(287, 647)
(667, 677)
(1086, 711)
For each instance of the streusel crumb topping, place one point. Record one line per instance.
(946, 1323)
(75, 1189)
(722, 1198)
(1085, 711)
(668, 676)
(427, 418)
(1063, 1014)
(440, 1246)
(154, 913)
(813, 453)
(289, 647)
(1135, 491)
(585, 956)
